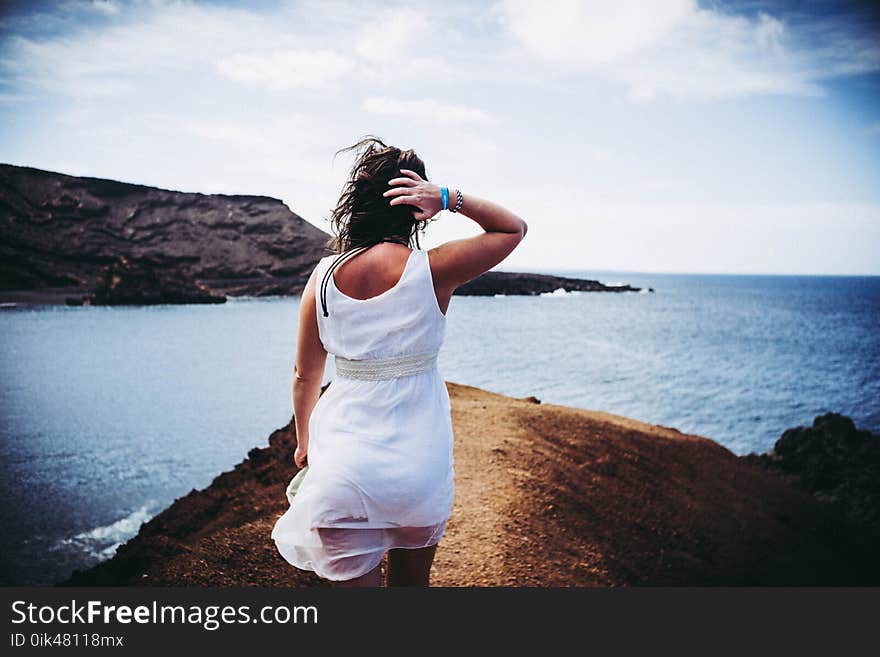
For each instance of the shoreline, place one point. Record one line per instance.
(489, 284)
(41, 297)
(546, 495)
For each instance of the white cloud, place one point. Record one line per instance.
(12, 99)
(427, 110)
(281, 70)
(157, 39)
(306, 45)
(108, 7)
(712, 56)
(675, 48)
(392, 36)
(386, 50)
(393, 46)
(592, 32)
(288, 146)
(769, 33)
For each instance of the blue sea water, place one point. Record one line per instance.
(109, 414)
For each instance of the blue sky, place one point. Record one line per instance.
(661, 135)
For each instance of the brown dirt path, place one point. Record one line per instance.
(473, 549)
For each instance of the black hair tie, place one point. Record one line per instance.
(344, 256)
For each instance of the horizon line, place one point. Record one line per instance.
(538, 270)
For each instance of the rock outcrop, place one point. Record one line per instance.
(60, 231)
(836, 462)
(502, 282)
(125, 283)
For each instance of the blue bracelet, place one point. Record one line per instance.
(444, 196)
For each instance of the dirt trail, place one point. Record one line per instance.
(473, 549)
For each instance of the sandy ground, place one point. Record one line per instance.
(546, 495)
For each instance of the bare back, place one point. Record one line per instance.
(454, 263)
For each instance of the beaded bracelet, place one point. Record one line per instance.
(458, 202)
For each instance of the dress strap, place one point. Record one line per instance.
(345, 255)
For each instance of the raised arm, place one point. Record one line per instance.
(458, 261)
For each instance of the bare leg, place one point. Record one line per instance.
(372, 578)
(410, 567)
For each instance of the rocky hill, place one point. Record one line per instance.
(59, 231)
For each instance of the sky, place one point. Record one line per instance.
(634, 135)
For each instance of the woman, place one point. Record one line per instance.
(378, 442)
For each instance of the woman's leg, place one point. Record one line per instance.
(410, 566)
(347, 549)
(372, 578)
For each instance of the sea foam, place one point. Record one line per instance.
(101, 542)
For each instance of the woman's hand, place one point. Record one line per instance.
(301, 457)
(413, 190)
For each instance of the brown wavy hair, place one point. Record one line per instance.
(363, 215)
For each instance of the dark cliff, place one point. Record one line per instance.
(59, 231)
(503, 282)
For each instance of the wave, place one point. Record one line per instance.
(101, 542)
(559, 292)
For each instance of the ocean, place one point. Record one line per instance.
(109, 414)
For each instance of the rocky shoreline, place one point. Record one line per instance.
(836, 462)
(500, 282)
(62, 238)
(124, 283)
(548, 495)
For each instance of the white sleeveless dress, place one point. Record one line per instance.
(380, 451)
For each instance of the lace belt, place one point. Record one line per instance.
(376, 369)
